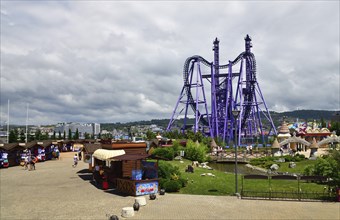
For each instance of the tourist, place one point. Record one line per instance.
(251, 149)
(75, 160)
(26, 162)
(57, 153)
(79, 154)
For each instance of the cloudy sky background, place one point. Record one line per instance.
(90, 61)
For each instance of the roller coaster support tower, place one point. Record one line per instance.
(230, 90)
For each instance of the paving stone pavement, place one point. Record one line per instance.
(56, 190)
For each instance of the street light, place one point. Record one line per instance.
(236, 114)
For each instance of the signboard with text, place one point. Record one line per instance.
(146, 188)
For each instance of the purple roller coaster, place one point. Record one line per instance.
(229, 91)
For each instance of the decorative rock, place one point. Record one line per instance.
(292, 165)
(195, 163)
(113, 217)
(162, 192)
(141, 201)
(178, 158)
(136, 206)
(274, 167)
(152, 196)
(127, 212)
(280, 160)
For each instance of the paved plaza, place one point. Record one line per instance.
(56, 190)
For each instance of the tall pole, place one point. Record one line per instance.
(8, 122)
(236, 182)
(26, 123)
(236, 114)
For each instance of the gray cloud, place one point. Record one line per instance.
(123, 61)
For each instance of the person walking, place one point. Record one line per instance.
(79, 154)
(75, 160)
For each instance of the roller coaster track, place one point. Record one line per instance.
(186, 70)
(250, 81)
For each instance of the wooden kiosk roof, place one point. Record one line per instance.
(123, 145)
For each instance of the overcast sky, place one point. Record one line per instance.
(92, 61)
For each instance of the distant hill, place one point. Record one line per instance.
(305, 115)
(301, 115)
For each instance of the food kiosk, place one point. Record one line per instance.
(131, 173)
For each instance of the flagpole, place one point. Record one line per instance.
(8, 122)
(27, 121)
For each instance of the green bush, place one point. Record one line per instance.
(196, 152)
(183, 182)
(166, 170)
(162, 181)
(172, 186)
(167, 152)
(288, 158)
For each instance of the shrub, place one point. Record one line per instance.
(166, 170)
(166, 152)
(162, 181)
(183, 182)
(196, 152)
(172, 186)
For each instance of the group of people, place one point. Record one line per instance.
(29, 162)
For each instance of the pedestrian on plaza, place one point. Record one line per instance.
(75, 160)
(57, 153)
(31, 161)
(79, 154)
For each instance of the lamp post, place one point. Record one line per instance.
(236, 114)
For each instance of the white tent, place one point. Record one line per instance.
(102, 154)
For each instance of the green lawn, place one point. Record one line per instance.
(300, 166)
(224, 183)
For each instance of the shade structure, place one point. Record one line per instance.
(102, 154)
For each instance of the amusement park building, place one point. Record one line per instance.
(312, 134)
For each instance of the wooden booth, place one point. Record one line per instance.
(131, 173)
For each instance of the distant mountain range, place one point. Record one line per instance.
(291, 116)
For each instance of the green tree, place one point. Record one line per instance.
(150, 135)
(87, 135)
(323, 123)
(53, 136)
(335, 126)
(328, 166)
(12, 138)
(64, 136)
(76, 135)
(22, 136)
(44, 136)
(38, 135)
(69, 134)
(196, 152)
(59, 135)
(190, 135)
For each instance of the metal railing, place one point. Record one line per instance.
(297, 194)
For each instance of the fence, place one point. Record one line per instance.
(271, 188)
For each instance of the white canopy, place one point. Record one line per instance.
(102, 154)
